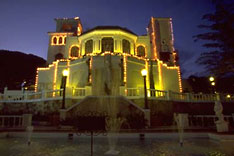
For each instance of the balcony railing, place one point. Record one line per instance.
(79, 92)
(131, 93)
(11, 121)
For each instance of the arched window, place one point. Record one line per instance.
(58, 56)
(54, 40)
(74, 51)
(60, 40)
(107, 44)
(126, 46)
(89, 46)
(140, 51)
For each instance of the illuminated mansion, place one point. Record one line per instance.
(107, 60)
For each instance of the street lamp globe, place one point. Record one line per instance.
(65, 72)
(143, 72)
(211, 78)
(213, 83)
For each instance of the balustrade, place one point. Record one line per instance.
(207, 120)
(11, 121)
(80, 92)
(127, 92)
(132, 92)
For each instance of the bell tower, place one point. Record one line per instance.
(65, 27)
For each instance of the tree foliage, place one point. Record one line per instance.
(219, 39)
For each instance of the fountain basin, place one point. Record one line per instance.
(57, 144)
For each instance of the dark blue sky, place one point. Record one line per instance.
(25, 23)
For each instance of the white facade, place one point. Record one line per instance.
(108, 59)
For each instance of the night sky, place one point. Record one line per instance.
(25, 23)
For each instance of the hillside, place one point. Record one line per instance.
(15, 67)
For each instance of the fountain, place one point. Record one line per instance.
(29, 130)
(106, 81)
(181, 122)
(113, 126)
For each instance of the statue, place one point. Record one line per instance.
(221, 124)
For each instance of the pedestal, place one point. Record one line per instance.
(222, 126)
(112, 153)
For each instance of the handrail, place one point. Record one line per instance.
(132, 92)
(78, 92)
(11, 120)
(128, 92)
(158, 94)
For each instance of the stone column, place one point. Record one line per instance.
(88, 90)
(43, 94)
(233, 117)
(132, 48)
(169, 95)
(187, 96)
(122, 90)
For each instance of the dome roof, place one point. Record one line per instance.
(109, 28)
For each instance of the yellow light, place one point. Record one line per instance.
(180, 83)
(168, 67)
(154, 37)
(68, 68)
(160, 75)
(211, 78)
(65, 72)
(147, 76)
(55, 64)
(143, 72)
(125, 68)
(36, 81)
(228, 96)
(213, 83)
(90, 68)
(57, 37)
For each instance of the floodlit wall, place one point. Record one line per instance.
(155, 73)
(78, 73)
(145, 42)
(71, 42)
(117, 36)
(106, 75)
(165, 38)
(134, 67)
(53, 51)
(91, 69)
(170, 79)
(45, 79)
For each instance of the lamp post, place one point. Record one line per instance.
(212, 82)
(64, 81)
(144, 73)
(23, 88)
